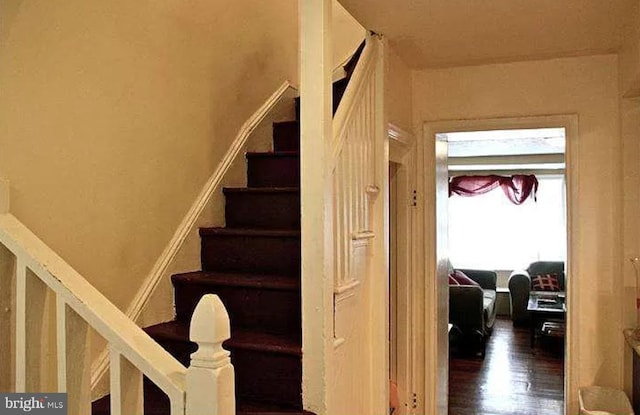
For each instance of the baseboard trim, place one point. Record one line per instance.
(140, 301)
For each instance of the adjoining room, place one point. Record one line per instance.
(507, 243)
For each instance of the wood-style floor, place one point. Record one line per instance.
(513, 379)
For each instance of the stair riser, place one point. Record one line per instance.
(273, 171)
(263, 210)
(278, 379)
(286, 136)
(179, 349)
(259, 375)
(271, 311)
(257, 254)
(155, 400)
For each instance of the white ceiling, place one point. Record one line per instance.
(506, 142)
(444, 33)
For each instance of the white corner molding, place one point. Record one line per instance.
(396, 133)
(161, 266)
(400, 142)
(4, 196)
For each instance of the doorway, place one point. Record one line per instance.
(402, 285)
(506, 214)
(436, 270)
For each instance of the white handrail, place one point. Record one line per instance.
(133, 352)
(350, 98)
(354, 154)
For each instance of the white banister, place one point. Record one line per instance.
(211, 372)
(353, 165)
(126, 385)
(74, 359)
(55, 307)
(360, 220)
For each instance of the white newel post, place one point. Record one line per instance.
(210, 378)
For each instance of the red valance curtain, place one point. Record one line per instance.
(517, 188)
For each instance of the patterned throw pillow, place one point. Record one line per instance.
(545, 282)
(462, 278)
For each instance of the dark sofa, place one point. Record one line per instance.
(472, 309)
(520, 287)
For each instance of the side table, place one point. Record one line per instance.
(544, 306)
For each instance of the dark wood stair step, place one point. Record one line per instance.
(268, 367)
(262, 207)
(286, 136)
(260, 408)
(267, 233)
(265, 342)
(156, 402)
(102, 406)
(178, 332)
(257, 281)
(273, 169)
(251, 250)
(271, 303)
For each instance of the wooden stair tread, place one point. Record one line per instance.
(102, 406)
(156, 406)
(240, 339)
(287, 123)
(253, 264)
(270, 233)
(260, 408)
(272, 282)
(169, 330)
(284, 190)
(276, 343)
(272, 154)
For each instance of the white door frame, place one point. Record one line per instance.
(434, 303)
(402, 152)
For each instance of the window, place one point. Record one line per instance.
(490, 232)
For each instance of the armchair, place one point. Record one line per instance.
(520, 287)
(472, 308)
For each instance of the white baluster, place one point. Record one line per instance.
(210, 378)
(74, 358)
(34, 366)
(7, 321)
(126, 385)
(21, 326)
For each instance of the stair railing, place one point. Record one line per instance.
(355, 178)
(52, 353)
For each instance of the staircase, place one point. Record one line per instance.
(253, 265)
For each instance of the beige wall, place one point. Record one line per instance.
(346, 33)
(397, 90)
(587, 87)
(115, 113)
(629, 60)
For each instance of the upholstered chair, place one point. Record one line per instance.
(520, 285)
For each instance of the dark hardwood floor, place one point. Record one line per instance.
(512, 379)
